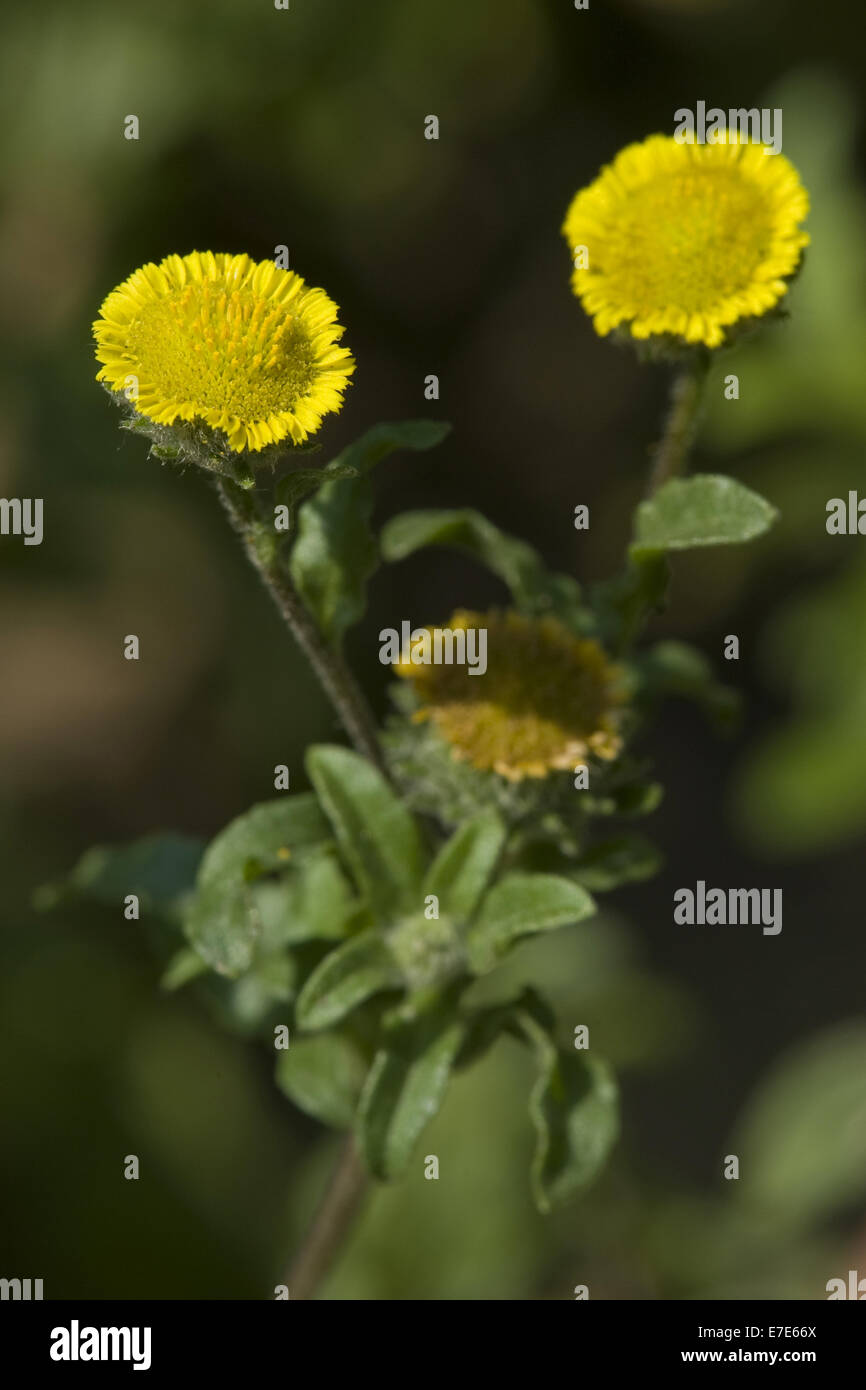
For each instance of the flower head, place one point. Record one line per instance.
(546, 700)
(686, 239)
(247, 349)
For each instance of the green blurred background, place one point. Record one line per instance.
(304, 127)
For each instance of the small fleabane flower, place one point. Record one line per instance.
(244, 348)
(547, 699)
(686, 240)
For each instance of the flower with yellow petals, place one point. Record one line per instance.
(686, 240)
(547, 699)
(245, 349)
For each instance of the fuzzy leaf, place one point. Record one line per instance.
(675, 668)
(354, 972)
(631, 795)
(335, 553)
(610, 863)
(323, 1076)
(403, 1091)
(707, 509)
(377, 835)
(463, 866)
(159, 869)
(519, 905)
(265, 837)
(295, 486)
(247, 1005)
(313, 902)
(221, 921)
(575, 1109)
(485, 1024)
(574, 1106)
(535, 589)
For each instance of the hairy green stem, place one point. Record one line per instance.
(332, 1223)
(344, 1196)
(671, 453)
(334, 675)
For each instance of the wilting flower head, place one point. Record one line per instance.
(686, 239)
(547, 699)
(247, 349)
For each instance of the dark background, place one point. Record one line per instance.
(262, 127)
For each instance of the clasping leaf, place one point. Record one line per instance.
(519, 905)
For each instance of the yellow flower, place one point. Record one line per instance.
(546, 700)
(248, 349)
(686, 239)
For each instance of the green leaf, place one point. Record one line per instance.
(623, 604)
(377, 835)
(335, 553)
(221, 921)
(536, 591)
(485, 1024)
(185, 965)
(707, 509)
(802, 1139)
(385, 439)
(265, 838)
(312, 902)
(293, 487)
(349, 975)
(574, 1107)
(675, 668)
(248, 1004)
(627, 794)
(521, 904)
(622, 859)
(463, 866)
(403, 1091)
(159, 869)
(323, 1076)
(222, 927)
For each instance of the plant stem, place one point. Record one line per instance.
(334, 675)
(342, 1200)
(670, 454)
(333, 1221)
